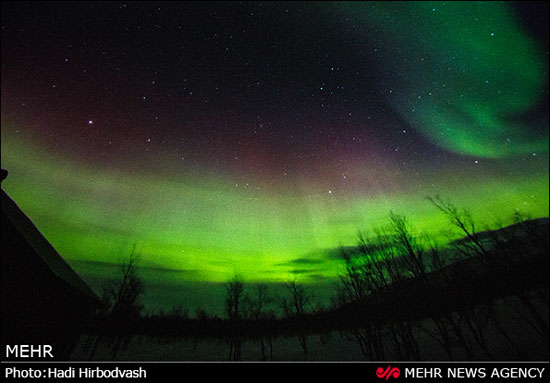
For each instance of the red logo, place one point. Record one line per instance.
(388, 372)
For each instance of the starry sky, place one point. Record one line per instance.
(257, 138)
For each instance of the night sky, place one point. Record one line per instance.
(257, 138)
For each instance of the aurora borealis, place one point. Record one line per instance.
(486, 71)
(258, 138)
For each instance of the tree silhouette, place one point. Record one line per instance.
(489, 260)
(121, 296)
(257, 301)
(295, 305)
(234, 297)
(297, 301)
(121, 306)
(233, 302)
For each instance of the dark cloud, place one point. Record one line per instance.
(302, 261)
(146, 268)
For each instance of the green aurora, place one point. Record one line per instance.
(208, 228)
(486, 74)
(465, 80)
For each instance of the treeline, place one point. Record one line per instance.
(397, 288)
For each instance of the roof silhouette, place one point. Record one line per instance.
(43, 248)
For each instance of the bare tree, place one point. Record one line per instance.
(407, 246)
(234, 297)
(364, 274)
(507, 249)
(297, 301)
(257, 301)
(353, 282)
(233, 304)
(256, 304)
(464, 222)
(295, 305)
(121, 296)
(121, 304)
